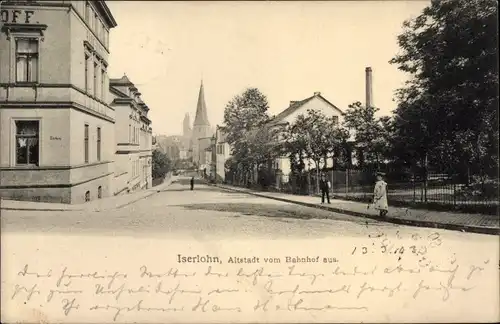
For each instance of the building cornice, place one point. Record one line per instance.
(52, 167)
(16, 28)
(54, 105)
(54, 85)
(106, 13)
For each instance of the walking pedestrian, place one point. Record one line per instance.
(324, 185)
(192, 183)
(380, 195)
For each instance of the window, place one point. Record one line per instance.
(87, 85)
(96, 73)
(87, 12)
(103, 82)
(27, 142)
(96, 23)
(336, 119)
(129, 133)
(26, 60)
(87, 196)
(86, 143)
(98, 143)
(99, 192)
(90, 14)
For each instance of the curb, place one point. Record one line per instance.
(84, 209)
(399, 221)
(36, 209)
(153, 192)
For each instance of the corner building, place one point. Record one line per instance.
(56, 128)
(133, 135)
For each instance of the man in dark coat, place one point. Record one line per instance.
(324, 186)
(192, 183)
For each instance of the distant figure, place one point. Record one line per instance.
(324, 186)
(380, 195)
(192, 183)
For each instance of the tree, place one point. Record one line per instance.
(244, 117)
(161, 164)
(315, 137)
(447, 112)
(371, 134)
(244, 112)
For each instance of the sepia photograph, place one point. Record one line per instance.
(249, 161)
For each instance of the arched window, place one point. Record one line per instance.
(99, 192)
(87, 196)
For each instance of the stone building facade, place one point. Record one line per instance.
(133, 136)
(56, 126)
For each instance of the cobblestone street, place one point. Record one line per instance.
(154, 233)
(207, 212)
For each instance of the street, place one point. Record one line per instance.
(152, 236)
(208, 213)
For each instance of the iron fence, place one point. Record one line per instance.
(442, 192)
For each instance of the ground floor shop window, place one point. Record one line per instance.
(27, 142)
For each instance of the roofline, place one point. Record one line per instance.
(101, 4)
(117, 91)
(279, 119)
(328, 102)
(116, 82)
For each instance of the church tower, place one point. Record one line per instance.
(186, 127)
(201, 128)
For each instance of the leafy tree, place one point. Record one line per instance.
(244, 115)
(315, 137)
(161, 164)
(371, 134)
(447, 113)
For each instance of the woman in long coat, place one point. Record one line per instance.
(380, 195)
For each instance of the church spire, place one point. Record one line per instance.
(201, 117)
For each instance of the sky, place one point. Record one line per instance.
(288, 50)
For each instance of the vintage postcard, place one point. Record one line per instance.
(249, 162)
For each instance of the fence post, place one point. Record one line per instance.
(414, 189)
(346, 182)
(454, 194)
(331, 181)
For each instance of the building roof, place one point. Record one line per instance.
(106, 13)
(296, 105)
(123, 81)
(201, 109)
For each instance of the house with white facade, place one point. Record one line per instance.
(222, 154)
(290, 114)
(133, 136)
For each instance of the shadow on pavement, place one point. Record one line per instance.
(188, 189)
(265, 210)
(273, 211)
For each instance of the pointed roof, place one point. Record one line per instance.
(201, 109)
(296, 105)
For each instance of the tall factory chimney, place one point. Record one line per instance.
(369, 91)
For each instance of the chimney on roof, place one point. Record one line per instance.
(317, 93)
(368, 85)
(292, 103)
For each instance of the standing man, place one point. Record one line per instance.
(324, 185)
(192, 183)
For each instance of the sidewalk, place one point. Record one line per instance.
(100, 205)
(475, 223)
